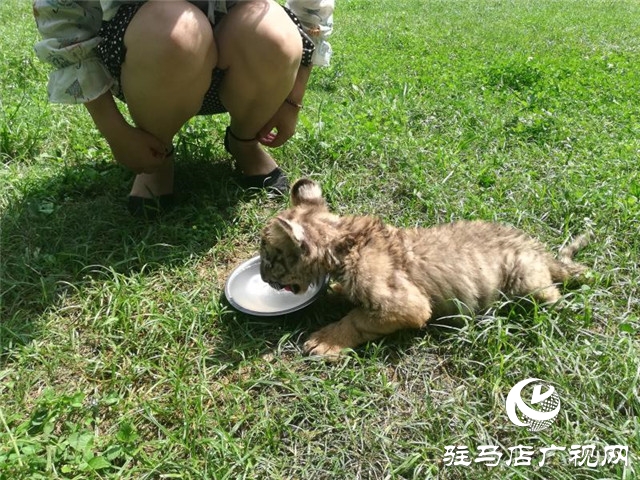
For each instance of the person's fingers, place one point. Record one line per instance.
(153, 160)
(158, 149)
(267, 132)
(281, 137)
(267, 139)
(274, 140)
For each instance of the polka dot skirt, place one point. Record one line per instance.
(307, 44)
(112, 52)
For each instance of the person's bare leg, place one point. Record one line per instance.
(260, 48)
(167, 70)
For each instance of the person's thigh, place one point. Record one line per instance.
(170, 57)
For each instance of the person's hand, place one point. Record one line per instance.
(280, 127)
(138, 150)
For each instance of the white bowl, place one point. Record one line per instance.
(246, 291)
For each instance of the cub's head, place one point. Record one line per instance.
(289, 241)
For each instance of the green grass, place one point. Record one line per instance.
(121, 359)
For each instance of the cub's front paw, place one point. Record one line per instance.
(324, 343)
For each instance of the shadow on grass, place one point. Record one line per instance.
(65, 225)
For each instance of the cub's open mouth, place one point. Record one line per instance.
(295, 288)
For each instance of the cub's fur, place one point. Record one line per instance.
(402, 278)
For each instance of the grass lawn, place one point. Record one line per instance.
(120, 357)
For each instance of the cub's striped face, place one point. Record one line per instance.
(281, 265)
(285, 259)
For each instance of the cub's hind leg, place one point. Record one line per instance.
(532, 277)
(547, 295)
(540, 274)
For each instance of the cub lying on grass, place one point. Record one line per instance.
(402, 278)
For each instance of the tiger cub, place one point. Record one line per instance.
(401, 278)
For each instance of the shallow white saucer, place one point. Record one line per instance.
(246, 291)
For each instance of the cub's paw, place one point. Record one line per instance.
(321, 343)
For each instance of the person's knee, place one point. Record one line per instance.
(281, 40)
(176, 35)
(264, 35)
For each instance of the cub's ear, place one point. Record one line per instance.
(294, 231)
(306, 191)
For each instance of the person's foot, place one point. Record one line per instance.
(255, 167)
(156, 184)
(251, 159)
(152, 193)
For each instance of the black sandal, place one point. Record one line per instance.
(150, 208)
(275, 182)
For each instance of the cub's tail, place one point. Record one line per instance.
(566, 269)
